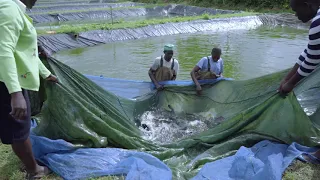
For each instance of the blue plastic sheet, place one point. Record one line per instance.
(71, 162)
(265, 160)
(132, 89)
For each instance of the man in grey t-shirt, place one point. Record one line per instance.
(210, 67)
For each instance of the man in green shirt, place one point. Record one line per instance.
(20, 68)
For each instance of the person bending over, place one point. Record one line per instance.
(164, 68)
(210, 67)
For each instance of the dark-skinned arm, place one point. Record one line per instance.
(195, 80)
(291, 73)
(153, 79)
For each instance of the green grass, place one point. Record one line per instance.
(9, 164)
(299, 170)
(137, 24)
(10, 167)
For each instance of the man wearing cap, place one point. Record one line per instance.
(164, 68)
(20, 68)
(210, 67)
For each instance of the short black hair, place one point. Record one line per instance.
(216, 52)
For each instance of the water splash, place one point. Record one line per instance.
(166, 127)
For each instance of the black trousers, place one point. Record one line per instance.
(12, 130)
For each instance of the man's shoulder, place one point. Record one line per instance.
(157, 58)
(201, 63)
(204, 58)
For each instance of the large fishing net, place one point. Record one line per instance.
(179, 127)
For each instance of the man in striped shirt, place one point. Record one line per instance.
(310, 57)
(305, 10)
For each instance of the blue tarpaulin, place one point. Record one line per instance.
(131, 88)
(265, 160)
(71, 162)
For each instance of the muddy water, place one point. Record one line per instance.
(246, 53)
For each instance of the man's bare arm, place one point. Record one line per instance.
(153, 78)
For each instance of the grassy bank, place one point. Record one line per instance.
(137, 24)
(262, 6)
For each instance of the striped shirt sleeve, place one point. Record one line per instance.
(310, 57)
(302, 57)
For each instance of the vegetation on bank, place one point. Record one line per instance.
(264, 6)
(137, 24)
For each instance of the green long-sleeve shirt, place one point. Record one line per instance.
(20, 65)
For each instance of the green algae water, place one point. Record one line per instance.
(247, 53)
